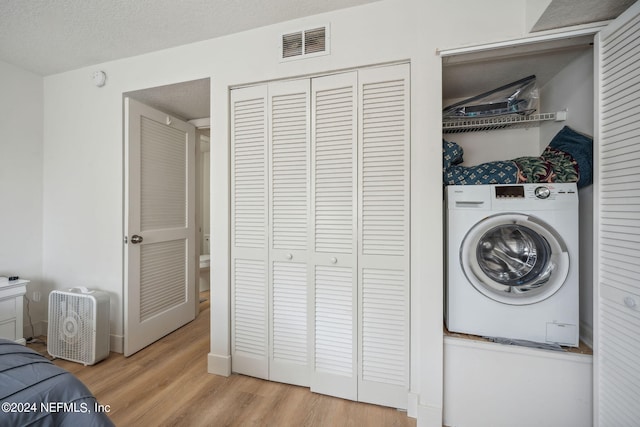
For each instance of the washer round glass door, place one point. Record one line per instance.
(514, 258)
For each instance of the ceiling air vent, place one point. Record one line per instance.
(305, 43)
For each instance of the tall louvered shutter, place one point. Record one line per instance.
(163, 205)
(289, 130)
(333, 237)
(383, 243)
(249, 232)
(617, 339)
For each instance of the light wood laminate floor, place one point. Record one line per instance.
(167, 384)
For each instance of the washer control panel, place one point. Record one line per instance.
(512, 197)
(509, 191)
(542, 192)
(533, 191)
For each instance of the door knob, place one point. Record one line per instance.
(630, 302)
(289, 256)
(333, 260)
(136, 239)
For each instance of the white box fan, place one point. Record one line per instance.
(78, 325)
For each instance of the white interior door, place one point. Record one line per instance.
(289, 134)
(333, 242)
(160, 247)
(249, 232)
(617, 299)
(383, 229)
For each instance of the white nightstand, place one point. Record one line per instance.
(11, 294)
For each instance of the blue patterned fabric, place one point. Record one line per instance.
(487, 173)
(451, 154)
(568, 158)
(580, 147)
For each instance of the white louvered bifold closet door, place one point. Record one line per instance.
(333, 243)
(320, 233)
(383, 243)
(249, 232)
(617, 340)
(289, 145)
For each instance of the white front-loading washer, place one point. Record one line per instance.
(512, 261)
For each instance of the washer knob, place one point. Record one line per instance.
(542, 192)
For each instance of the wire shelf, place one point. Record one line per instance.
(498, 122)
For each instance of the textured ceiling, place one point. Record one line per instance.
(186, 100)
(562, 13)
(53, 36)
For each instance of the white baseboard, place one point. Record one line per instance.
(412, 405)
(429, 416)
(116, 343)
(586, 334)
(219, 364)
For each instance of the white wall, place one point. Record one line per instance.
(495, 385)
(205, 192)
(83, 151)
(21, 97)
(572, 90)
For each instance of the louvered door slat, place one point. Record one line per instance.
(384, 301)
(384, 166)
(334, 135)
(289, 144)
(290, 312)
(249, 172)
(249, 236)
(162, 176)
(383, 262)
(333, 237)
(162, 277)
(618, 316)
(334, 319)
(289, 115)
(250, 328)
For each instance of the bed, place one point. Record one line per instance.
(35, 392)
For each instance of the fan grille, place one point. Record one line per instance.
(72, 327)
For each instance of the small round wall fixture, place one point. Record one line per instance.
(99, 78)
